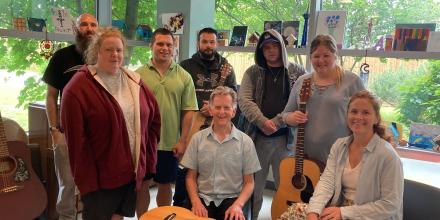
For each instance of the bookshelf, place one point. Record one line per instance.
(54, 37)
(300, 51)
(349, 52)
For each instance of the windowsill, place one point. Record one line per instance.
(422, 171)
(420, 165)
(418, 154)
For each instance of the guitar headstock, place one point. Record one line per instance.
(305, 92)
(225, 70)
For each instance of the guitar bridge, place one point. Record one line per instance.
(10, 189)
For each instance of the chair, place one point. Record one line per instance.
(13, 131)
(420, 201)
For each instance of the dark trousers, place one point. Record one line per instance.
(103, 203)
(180, 195)
(218, 213)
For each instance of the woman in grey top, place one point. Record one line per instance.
(331, 88)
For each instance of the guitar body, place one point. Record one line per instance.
(162, 212)
(298, 175)
(199, 122)
(287, 193)
(30, 200)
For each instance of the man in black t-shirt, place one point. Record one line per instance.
(263, 94)
(62, 66)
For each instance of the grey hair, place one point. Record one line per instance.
(223, 90)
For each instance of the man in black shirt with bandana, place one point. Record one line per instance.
(64, 63)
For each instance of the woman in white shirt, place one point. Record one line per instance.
(363, 178)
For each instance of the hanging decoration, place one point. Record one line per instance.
(46, 47)
(365, 67)
(306, 24)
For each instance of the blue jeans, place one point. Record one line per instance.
(180, 194)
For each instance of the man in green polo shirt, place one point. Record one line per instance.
(174, 90)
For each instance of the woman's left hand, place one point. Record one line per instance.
(333, 213)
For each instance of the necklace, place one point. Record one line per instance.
(275, 76)
(321, 85)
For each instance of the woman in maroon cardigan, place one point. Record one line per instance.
(112, 126)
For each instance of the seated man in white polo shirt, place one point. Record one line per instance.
(221, 161)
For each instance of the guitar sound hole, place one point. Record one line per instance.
(7, 165)
(307, 193)
(298, 181)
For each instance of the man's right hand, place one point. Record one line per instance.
(205, 109)
(269, 127)
(199, 209)
(57, 137)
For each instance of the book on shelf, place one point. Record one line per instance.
(290, 28)
(332, 23)
(422, 135)
(62, 21)
(36, 24)
(276, 25)
(434, 42)
(253, 39)
(223, 37)
(412, 37)
(19, 23)
(144, 32)
(119, 24)
(238, 37)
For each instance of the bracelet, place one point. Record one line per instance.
(55, 128)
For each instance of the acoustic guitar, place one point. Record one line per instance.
(171, 213)
(298, 176)
(22, 196)
(200, 121)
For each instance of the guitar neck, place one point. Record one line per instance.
(299, 153)
(224, 72)
(222, 81)
(3, 143)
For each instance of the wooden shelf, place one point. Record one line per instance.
(54, 36)
(349, 52)
(391, 54)
(301, 51)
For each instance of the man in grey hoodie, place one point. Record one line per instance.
(263, 94)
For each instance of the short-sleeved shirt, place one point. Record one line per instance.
(62, 66)
(221, 165)
(174, 92)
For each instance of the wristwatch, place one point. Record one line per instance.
(55, 128)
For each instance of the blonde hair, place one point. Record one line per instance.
(223, 90)
(330, 43)
(91, 54)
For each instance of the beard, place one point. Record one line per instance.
(82, 41)
(207, 54)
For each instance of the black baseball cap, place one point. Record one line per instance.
(268, 38)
